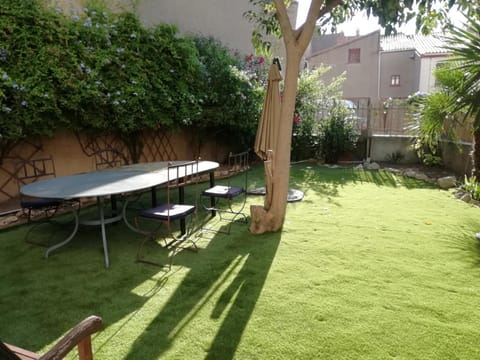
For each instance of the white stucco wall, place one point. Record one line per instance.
(222, 19)
(383, 146)
(428, 65)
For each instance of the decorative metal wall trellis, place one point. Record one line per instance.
(158, 146)
(9, 172)
(108, 151)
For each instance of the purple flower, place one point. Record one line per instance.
(3, 54)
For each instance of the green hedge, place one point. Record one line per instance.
(94, 71)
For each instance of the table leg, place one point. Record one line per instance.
(70, 237)
(153, 192)
(113, 204)
(104, 233)
(212, 199)
(181, 200)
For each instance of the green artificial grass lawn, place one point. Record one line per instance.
(369, 265)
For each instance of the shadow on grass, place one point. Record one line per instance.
(465, 243)
(246, 259)
(41, 299)
(328, 181)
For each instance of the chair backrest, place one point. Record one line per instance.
(31, 170)
(239, 163)
(181, 174)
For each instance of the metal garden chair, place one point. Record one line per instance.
(174, 211)
(228, 200)
(39, 210)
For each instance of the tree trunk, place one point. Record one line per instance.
(296, 41)
(272, 219)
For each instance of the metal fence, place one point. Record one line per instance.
(391, 121)
(396, 121)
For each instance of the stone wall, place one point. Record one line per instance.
(456, 156)
(382, 147)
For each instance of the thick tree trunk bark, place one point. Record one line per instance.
(296, 41)
(272, 219)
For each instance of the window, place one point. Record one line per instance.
(354, 56)
(395, 80)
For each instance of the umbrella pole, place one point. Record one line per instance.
(268, 167)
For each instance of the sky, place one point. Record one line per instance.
(360, 22)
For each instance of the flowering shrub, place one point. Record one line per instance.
(313, 95)
(30, 51)
(256, 68)
(230, 94)
(94, 71)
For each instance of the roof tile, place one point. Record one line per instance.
(423, 44)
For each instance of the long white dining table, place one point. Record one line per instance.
(105, 183)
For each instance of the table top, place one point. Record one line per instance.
(113, 181)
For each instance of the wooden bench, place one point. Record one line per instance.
(79, 336)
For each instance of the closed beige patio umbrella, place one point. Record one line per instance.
(267, 133)
(266, 138)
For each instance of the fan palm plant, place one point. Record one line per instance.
(464, 44)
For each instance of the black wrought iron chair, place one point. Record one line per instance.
(31, 170)
(172, 212)
(39, 210)
(228, 200)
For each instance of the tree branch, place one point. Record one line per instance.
(284, 20)
(315, 12)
